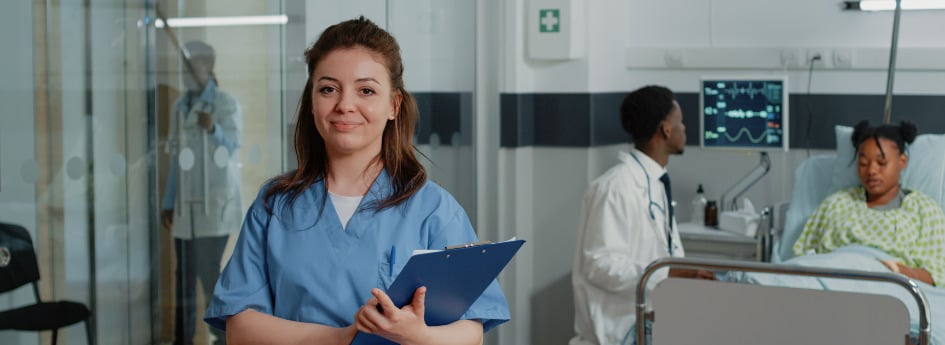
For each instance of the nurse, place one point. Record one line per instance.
(627, 220)
(321, 243)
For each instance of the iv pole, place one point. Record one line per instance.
(890, 76)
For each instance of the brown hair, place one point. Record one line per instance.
(397, 150)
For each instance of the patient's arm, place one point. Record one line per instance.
(919, 274)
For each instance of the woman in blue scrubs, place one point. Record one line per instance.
(321, 243)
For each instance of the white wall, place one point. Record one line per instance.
(435, 37)
(540, 188)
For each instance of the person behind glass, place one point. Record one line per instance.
(627, 220)
(880, 213)
(201, 203)
(321, 244)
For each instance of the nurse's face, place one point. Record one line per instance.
(677, 130)
(352, 101)
(879, 172)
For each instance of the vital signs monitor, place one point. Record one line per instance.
(744, 113)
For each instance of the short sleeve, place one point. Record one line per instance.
(491, 307)
(930, 247)
(244, 283)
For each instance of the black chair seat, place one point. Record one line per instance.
(43, 316)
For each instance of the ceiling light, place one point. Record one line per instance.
(188, 22)
(890, 5)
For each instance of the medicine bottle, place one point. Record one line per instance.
(698, 207)
(711, 213)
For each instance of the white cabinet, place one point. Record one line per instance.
(700, 241)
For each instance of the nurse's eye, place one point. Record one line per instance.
(367, 92)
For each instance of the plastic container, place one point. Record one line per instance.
(698, 207)
(711, 214)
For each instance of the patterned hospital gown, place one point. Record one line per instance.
(913, 233)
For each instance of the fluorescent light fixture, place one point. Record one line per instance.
(890, 5)
(189, 22)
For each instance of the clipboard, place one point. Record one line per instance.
(455, 277)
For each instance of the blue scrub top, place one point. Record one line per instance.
(300, 264)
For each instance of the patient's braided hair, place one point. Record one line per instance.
(903, 135)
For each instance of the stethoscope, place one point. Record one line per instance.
(649, 189)
(669, 236)
(649, 195)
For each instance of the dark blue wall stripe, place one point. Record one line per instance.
(444, 113)
(592, 119)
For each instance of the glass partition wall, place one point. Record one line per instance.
(136, 133)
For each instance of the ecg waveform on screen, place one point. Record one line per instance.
(769, 91)
(746, 132)
(743, 114)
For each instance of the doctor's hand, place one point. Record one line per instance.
(167, 219)
(205, 120)
(400, 325)
(692, 274)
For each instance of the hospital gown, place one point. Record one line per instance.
(914, 233)
(300, 264)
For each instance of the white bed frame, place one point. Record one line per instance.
(693, 311)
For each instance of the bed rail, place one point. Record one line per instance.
(745, 266)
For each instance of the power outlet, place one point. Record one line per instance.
(843, 58)
(819, 57)
(792, 58)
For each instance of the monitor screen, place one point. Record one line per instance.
(744, 113)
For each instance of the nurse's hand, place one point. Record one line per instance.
(400, 325)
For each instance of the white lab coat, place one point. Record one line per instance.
(215, 161)
(617, 239)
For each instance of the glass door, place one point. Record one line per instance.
(135, 134)
(216, 75)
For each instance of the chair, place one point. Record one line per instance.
(18, 267)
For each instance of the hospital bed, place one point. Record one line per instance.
(843, 297)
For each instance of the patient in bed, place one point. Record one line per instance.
(880, 213)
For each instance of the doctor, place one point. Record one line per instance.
(201, 204)
(627, 220)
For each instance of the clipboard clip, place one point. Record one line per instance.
(468, 245)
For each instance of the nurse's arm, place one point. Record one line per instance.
(251, 327)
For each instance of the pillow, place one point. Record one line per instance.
(925, 171)
(812, 184)
(844, 167)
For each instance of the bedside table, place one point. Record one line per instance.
(700, 241)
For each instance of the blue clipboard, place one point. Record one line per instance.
(454, 277)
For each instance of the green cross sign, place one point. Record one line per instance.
(549, 20)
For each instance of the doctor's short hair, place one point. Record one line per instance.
(643, 109)
(903, 135)
(201, 52)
